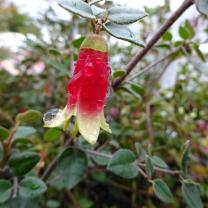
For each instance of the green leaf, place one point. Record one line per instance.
(29, 117)
(137, 89)
(149, 167)
(52, 134)
(4, 133)
(157, 161)
(24, 141)
(85, 202)
(162, 191)
(118, 73)
(178, 43)
(5, 190)
(190, 29)
(130, 91)
(185, 158)
(183, 33)
(78, 7)
(125, 15)
(31, 187)
(167, 36)
(54, 52)
(99, 176)
(20, 202)
(53, 204)
(61, 67)
(140, 151)
(122, 164)
(100, 160)
(77, 43)
(198, 52)
(191, 194)
(202, 6)
(23, 162)
(121, 32)
(24, 131)
(70, 170)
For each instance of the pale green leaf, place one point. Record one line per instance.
(149, 167)
(70, 170)
(78, 7)
(185, 158)
(202, 6)
(97, 11)
(121, 32)
(122, 164)
(162, 191)
(191, 194)
(31, 187)
(159, 162)
(125, 15)
(29, 117)
(24, 131)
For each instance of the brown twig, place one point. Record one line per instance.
(96, 153)
(148, 67)
(149, 123)
(152, 83)
(134, 61)
(72, 198)
(143, 173)
(7, 146)
(171, 172)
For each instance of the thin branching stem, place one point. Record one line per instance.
(141, 54)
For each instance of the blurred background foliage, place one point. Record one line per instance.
(160, 118)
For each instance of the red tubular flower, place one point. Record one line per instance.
(87, 90)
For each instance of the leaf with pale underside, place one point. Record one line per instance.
(121, 32)
(123, 164)
(202, 6)
(162, 191)
(31, 187)
(125, 15)
(78, 7)
(98, 12)
(191, 194)
(95, 2)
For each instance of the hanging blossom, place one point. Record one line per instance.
(87, 91)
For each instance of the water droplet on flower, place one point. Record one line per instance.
(53, 117)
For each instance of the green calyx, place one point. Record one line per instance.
(95, 42)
